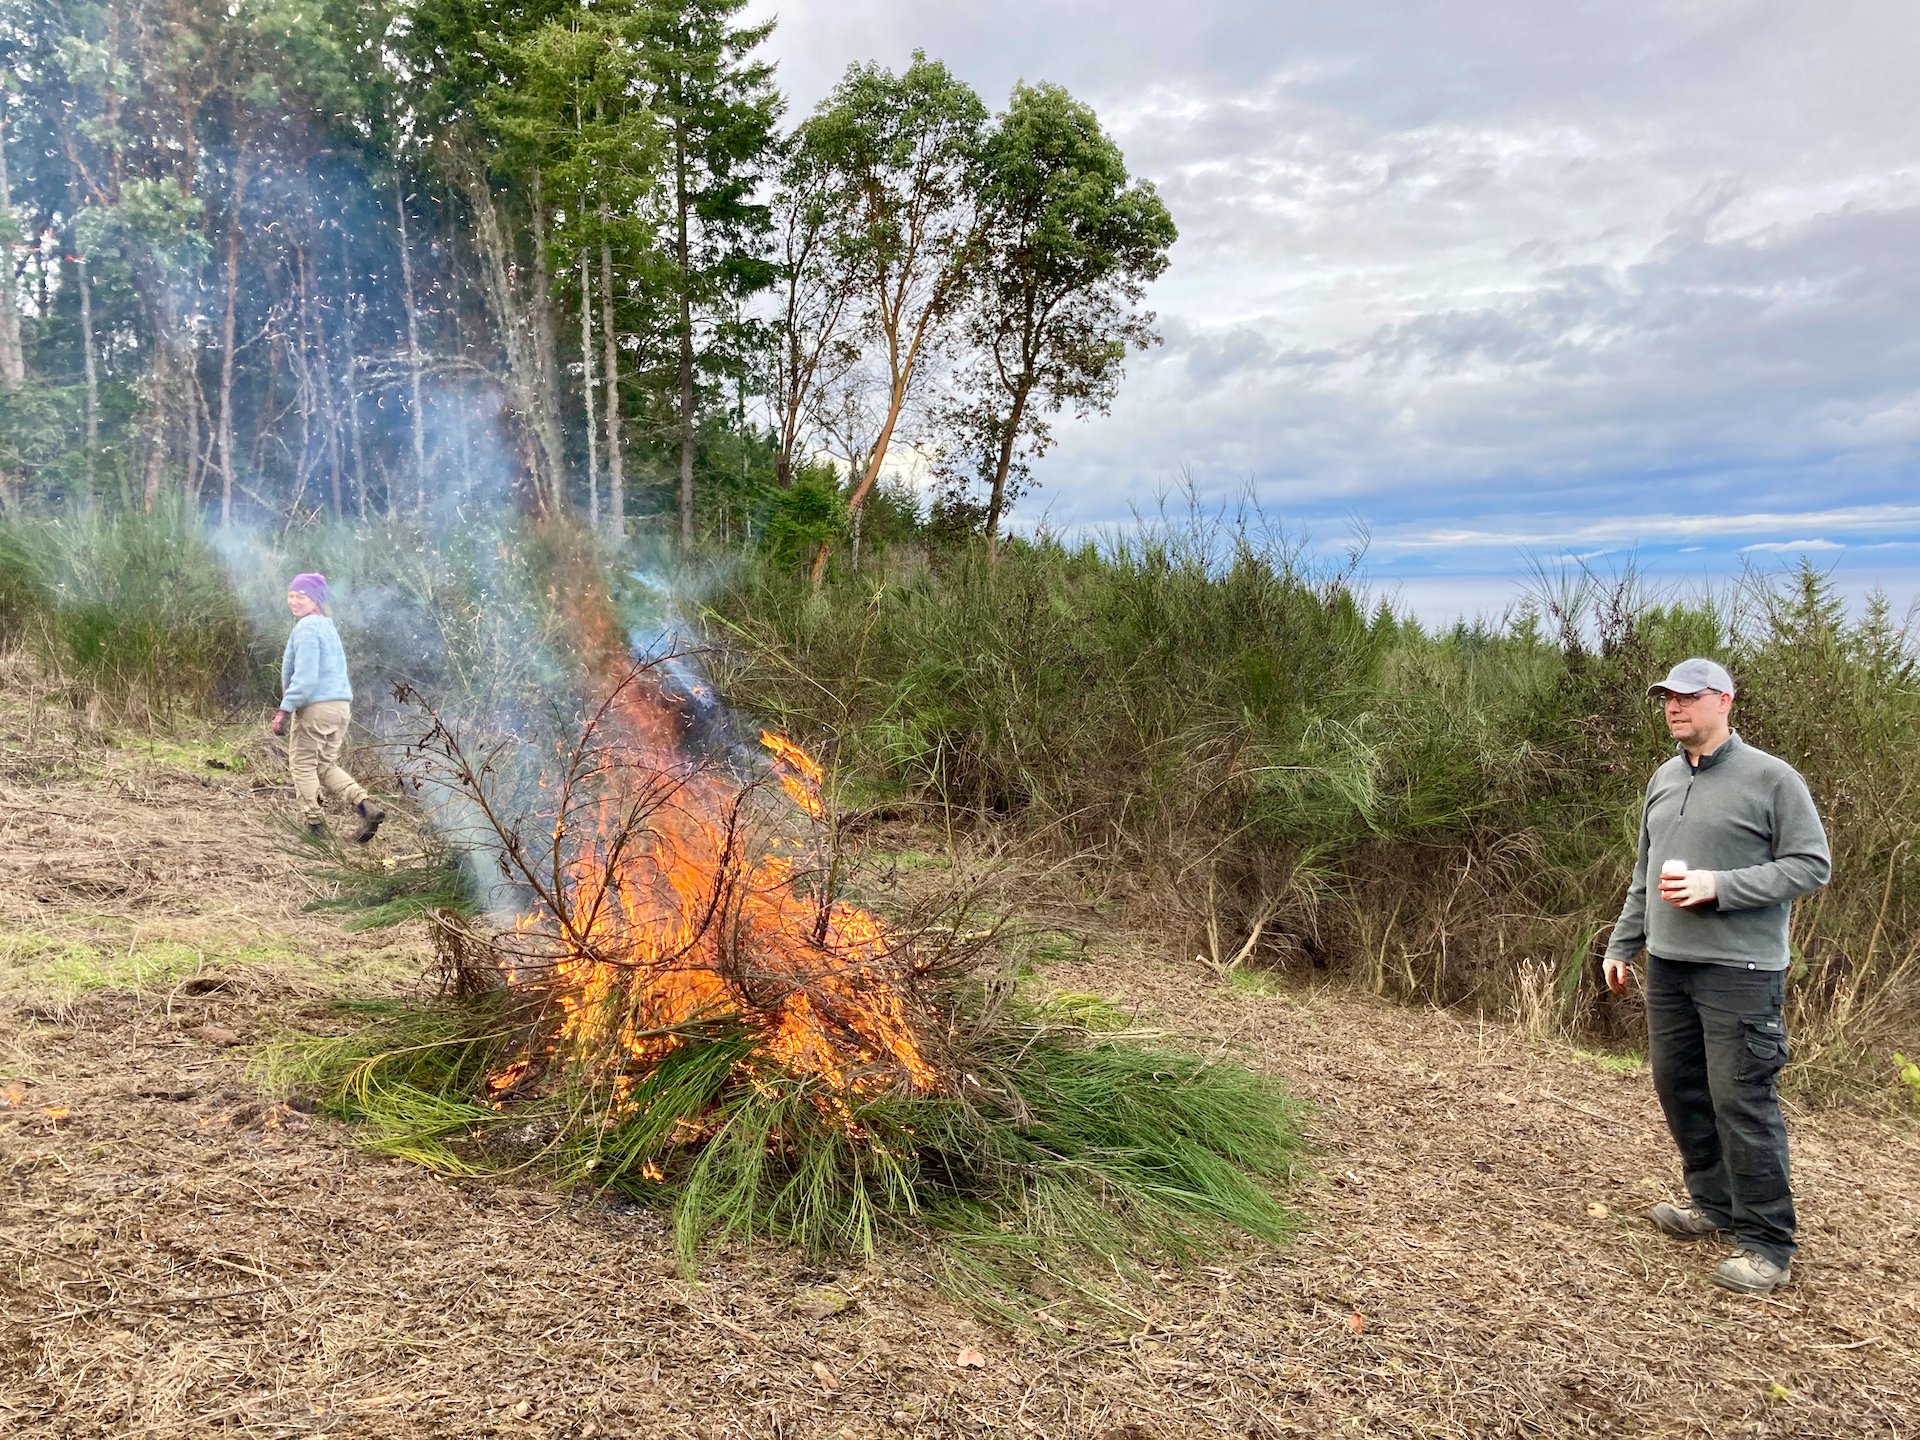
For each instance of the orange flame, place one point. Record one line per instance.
(799, 772)
(678, 915)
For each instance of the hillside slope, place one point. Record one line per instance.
(180, 1257)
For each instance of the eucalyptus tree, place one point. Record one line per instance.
(1068, 242)
(904, 155)
(811, 348)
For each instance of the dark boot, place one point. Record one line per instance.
(1691, 1223)
(370, 817)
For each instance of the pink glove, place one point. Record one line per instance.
(1694, 887)
(280, 718)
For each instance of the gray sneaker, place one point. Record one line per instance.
(1752, 1274)
(1692, 1223)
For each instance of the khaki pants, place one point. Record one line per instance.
(314, 738)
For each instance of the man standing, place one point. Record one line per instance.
(1730, 837)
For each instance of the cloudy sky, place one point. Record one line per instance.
(1499, 283)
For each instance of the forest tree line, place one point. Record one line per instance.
(286, 257)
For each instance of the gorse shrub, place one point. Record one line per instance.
(148, 613)
(23, 598)
(135, 608)
(1249, 745)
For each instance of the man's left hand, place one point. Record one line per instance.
(1695, 887)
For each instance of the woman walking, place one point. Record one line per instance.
(315, 704)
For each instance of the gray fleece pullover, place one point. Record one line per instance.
(1746, 816)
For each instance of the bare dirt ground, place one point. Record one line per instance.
(181, 1257)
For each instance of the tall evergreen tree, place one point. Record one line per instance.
(577, 117)
(719, 110)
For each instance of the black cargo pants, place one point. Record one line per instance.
(1717, 1042)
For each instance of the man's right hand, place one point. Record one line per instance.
(280, 718)
(1617, 972)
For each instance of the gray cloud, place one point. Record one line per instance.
(1448, 261)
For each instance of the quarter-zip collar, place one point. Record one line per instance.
(1707, 762)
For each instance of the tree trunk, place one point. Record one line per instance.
(322, 391)
(224, 435)
(586, 391)
(684, 257)
(616, 482)
(90, 361)
(160, 383)
(1003, 462)
(546, 375)
(196, 408)
(896, 403)
(416, 416)
(13, 360)
(351, 379)
(511, 317)
(89, 357)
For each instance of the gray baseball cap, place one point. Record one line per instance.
(1692, 676)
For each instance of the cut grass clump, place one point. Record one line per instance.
(1070, 1163)
(407, 1080)
(1264, 983)
(1615, 1063)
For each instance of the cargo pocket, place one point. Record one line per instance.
(1765, 1050)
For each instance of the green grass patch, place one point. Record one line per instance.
(86, 953)
(1256, 982)
(198, 754)
(1049, 947)
(910, 862)
(1614, 1062)
(38, 963)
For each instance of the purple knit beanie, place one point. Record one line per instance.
(314, 587)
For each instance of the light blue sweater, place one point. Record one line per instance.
(314, 669)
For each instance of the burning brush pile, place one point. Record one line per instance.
(687, 1008)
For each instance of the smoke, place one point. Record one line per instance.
(440, 584)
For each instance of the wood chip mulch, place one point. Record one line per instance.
(180, 1257)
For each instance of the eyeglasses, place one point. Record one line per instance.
(1681, 697)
